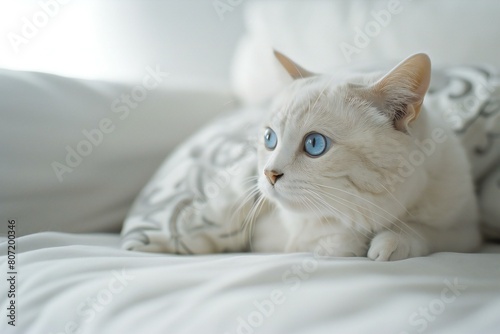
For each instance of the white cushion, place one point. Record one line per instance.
(43, 116)
(188, 207)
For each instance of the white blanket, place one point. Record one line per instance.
(69, 283)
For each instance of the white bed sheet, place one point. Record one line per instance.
(68, 283)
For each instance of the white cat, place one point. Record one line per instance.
(356, 161)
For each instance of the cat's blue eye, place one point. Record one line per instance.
(270, 139)
(316, 144)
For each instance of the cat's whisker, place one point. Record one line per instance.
(252, 177)
(395, 199)
(313, 205)
(248, 218)
(369, 231)
(317, 211)
(250, 214)
(251, 193)
(248, 194)
(249, 180)
(336, 210)
(323, 222)
(249, 224)
(343, 202)
(328, 206)
(404, 225)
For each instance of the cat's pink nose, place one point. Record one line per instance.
(272, 176)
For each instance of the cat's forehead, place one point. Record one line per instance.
(316, 91)
(315, 103)
(304, 96)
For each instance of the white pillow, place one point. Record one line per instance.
(43, 117)
(188, 205)
(321, 36)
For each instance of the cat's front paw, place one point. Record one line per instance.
(392, 246)
(341, 245)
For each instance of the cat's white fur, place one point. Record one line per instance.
(361, 197)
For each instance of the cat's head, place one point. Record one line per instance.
(326, 138)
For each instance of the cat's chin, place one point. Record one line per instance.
(287, 205)
(282, 201)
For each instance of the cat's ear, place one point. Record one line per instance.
(402, 90)
(295, 70)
